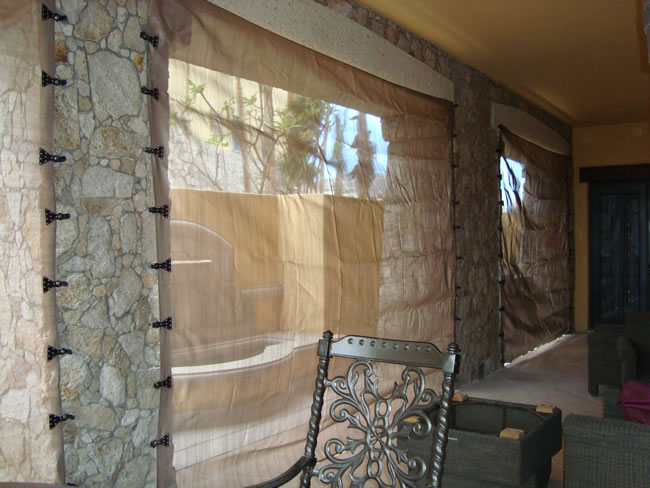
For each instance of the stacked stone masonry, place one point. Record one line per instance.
(105, 248)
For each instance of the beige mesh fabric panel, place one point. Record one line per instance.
(29, 451)
(305, 195)
(535, 245)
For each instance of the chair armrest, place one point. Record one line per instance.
(289, 474)
(612, 410)
(627, 358)
(605, 452)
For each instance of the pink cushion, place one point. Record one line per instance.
(635, 400)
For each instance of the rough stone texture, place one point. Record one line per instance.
(114, 84)
(112, 142)
(475, 183)
(104, 313)
(94, 22)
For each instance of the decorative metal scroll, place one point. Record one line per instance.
(381, 421)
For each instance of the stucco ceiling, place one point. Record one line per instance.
(586, 61)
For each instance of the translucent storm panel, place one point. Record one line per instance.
(534, 236)
(236, 135)
(317, 198)
(284, 225)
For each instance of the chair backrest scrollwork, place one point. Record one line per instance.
(379, 421)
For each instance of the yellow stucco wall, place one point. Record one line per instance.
(604, 145)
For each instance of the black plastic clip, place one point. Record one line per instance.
(502, 308)
(152, 39)
(45, 157)
(167, 383)
(455, 165)
(48, 80)
(501, 203)
(459, 258)
(51, 216)
(46, 14)
(455, 202)
(49, 284)
(499, 176)
(166, 265)
(163, 441)
(152, 92)
(500, 228)
(458, 319)
(158, 151)
(500, 255)
(167, 324)
(501, 335)
(55, 419)
(502, 281)
(456, 227)
(53, 352)
(164, 210)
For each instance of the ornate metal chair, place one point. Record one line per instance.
(378, 453)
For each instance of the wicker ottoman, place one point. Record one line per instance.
(478, 457)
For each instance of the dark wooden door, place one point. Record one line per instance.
(618, 235)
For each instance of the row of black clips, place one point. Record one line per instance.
(50, 216)
(501, 281)
(163, 211)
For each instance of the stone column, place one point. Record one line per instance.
(105, 249)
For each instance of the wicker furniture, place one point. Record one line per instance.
(478, 458)
(604, 366)
(376, 421)
(619, 352)
(606, 453)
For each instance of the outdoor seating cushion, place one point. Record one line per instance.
(635, 400)
(639, 336)
(605, 453)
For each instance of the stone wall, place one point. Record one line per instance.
(105, 249)
(476, 186)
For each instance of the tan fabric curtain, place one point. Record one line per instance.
(29, 451)
(535, 244)
(305, 195)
